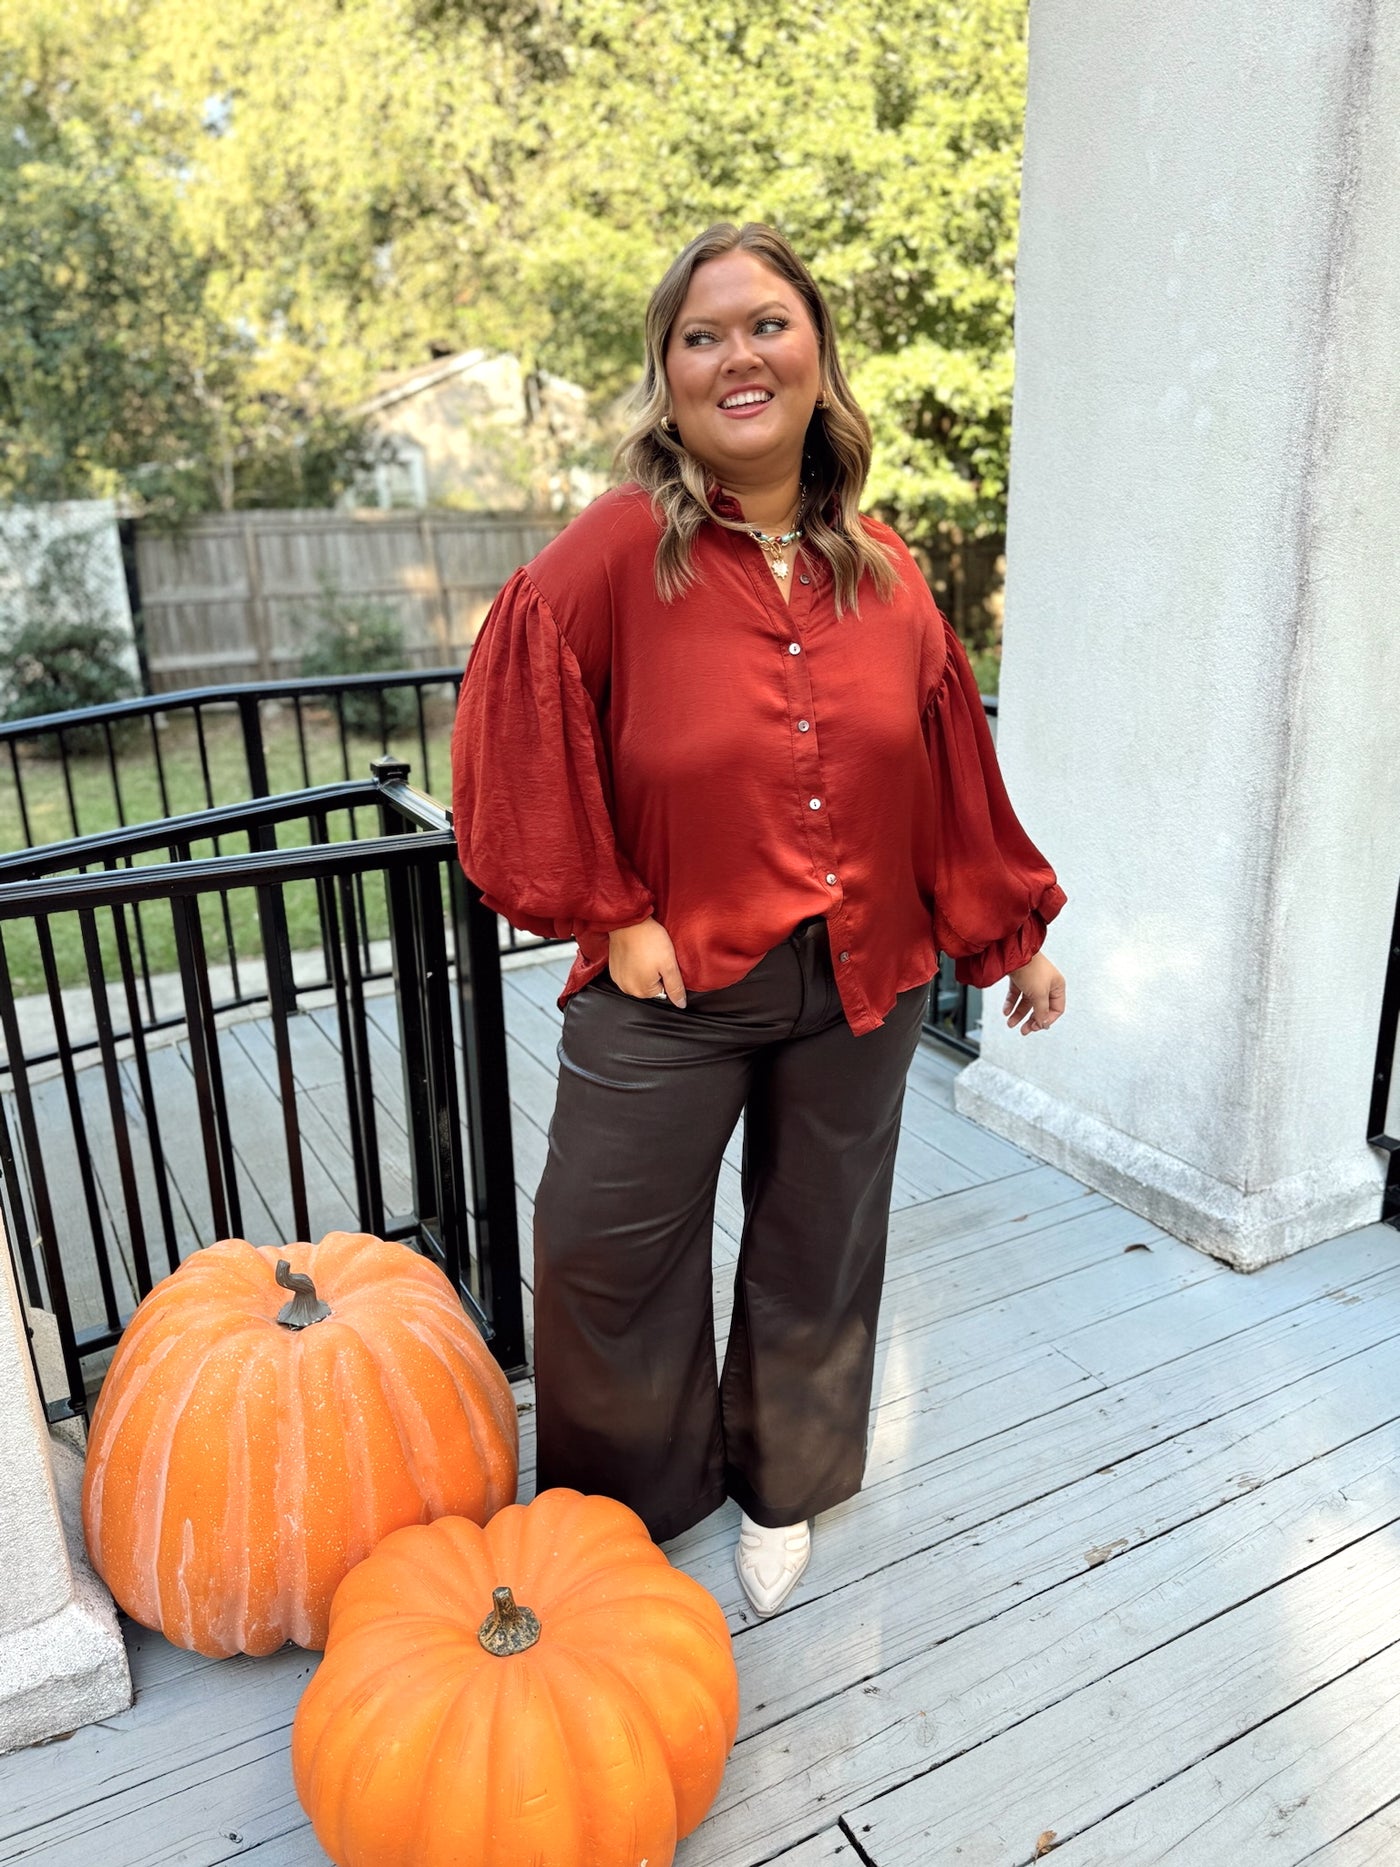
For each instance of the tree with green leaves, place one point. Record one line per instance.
(123, 367)
(336, 188)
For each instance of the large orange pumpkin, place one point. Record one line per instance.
(247, 1450)
(545, 1691)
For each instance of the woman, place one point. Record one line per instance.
(719, 733)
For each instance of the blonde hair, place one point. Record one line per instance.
(836, 452)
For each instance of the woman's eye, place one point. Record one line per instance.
(692, 338)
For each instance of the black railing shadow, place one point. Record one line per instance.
(1380, 1131)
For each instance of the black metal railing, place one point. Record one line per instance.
(65, 776)
(402, 1119)
(89, 760)
(1379, 1130)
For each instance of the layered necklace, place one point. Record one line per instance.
(774, 544)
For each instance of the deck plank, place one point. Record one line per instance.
(259, 1141)
(385, 1067)
(324, 1115)
(165, 1781)
(831, 1849)
(1116, 1739)
(172, 1089)
(1372, 1842)
(326, 1164)
(299, 1848)
(72, 1220)
(1284, 1789)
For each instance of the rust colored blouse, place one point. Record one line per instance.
(733, 764)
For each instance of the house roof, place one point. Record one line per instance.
(398, 385)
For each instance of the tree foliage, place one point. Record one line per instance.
(290, 199)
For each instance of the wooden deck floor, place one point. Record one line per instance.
(1123, 1582)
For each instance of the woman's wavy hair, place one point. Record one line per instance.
(836, 452)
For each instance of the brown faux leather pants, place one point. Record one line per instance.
(628, 1401)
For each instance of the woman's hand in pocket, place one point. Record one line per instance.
(641, 960)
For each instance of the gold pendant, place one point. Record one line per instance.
(779, 568)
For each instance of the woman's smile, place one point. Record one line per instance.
(745, 403)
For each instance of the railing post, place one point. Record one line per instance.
(486, 1074)
(486, 1085)
(74, 1402)
(254, 752)
(407, 960)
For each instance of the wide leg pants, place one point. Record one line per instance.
(629, 1401)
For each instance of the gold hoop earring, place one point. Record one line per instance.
(821, 401)
(670, 426)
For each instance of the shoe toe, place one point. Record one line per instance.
(769, 1573)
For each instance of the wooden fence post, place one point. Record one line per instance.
(262, 634)
(442, 622)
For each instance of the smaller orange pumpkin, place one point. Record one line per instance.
(545, 1689)
(247, 1450)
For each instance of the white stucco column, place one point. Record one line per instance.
(62, 1658)
(1200, 702)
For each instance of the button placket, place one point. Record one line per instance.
(806, 755)
(786, 619)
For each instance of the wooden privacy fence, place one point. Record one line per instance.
(240, 596)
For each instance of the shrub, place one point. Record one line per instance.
(358, 635)
(60, 646)
(53, 666)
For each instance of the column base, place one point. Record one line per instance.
(69, 1669)
(1245, 1229)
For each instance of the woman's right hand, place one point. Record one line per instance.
(641, 960)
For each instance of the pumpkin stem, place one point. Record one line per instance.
(305, 1307)
(507, 1628)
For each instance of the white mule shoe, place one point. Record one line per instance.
(770, 1562)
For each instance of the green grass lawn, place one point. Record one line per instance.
(192, 779)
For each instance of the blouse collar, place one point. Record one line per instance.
(725, 504)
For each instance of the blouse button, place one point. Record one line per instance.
(794, 648)
(814, 803)
(804, 578)
(845, 956)
(831, 881)
(804, 726)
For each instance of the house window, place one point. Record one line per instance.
(399, 480)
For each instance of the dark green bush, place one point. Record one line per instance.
(358, 635)
(68, 662)
(60, 645)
